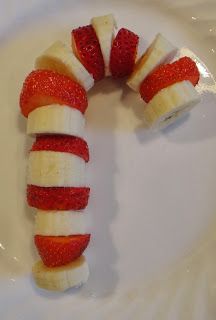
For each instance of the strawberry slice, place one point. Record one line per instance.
(62, 143)
(123, 53)
(57, 198)
(168, 74)
(86, 47)
(44, 87)
(57, 251)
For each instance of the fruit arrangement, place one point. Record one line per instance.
(54, 101)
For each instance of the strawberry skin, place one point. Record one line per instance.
(44, 87)
(87, 49)
(62, 143)
(57, 198)
(57, 251)
(123, 53)
(168, 74)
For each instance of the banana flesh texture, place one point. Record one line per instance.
(58, 57)
(170, 104)
(56, 119)
(61, 278)
(104, 27)
(160, 51)
(55, 169)
(60, 223)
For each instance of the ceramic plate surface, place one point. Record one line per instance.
(153, 204)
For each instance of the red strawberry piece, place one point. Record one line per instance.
(57, 198)
(168, 74)
(44, 87)
(86, 46)
(62, 143)
(58, 251)
(123, 53)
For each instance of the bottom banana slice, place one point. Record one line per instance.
(60, 223)
(61, 278)
(170, 104)
(56, 119)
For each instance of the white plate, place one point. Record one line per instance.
(153, 199)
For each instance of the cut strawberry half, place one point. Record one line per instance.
(57, 198)
(168, 74)
(58, 251)
(62, 143)
(45, 87)
(86, 47)
(123, 53)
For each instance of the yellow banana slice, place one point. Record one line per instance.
(170, 104)
(160, 51)
(56, 119)
(58, 57)
(62, 278)
(104, 27)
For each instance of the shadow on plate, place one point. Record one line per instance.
(101, 119)
(132, 100)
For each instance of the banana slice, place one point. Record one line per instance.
(55, 169)
(56, 119)
(170, 104)
(60, 58)
(62, 278)
(104, 27)
(160, 51)
(60, 223)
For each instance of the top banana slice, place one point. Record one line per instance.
(104, 27)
